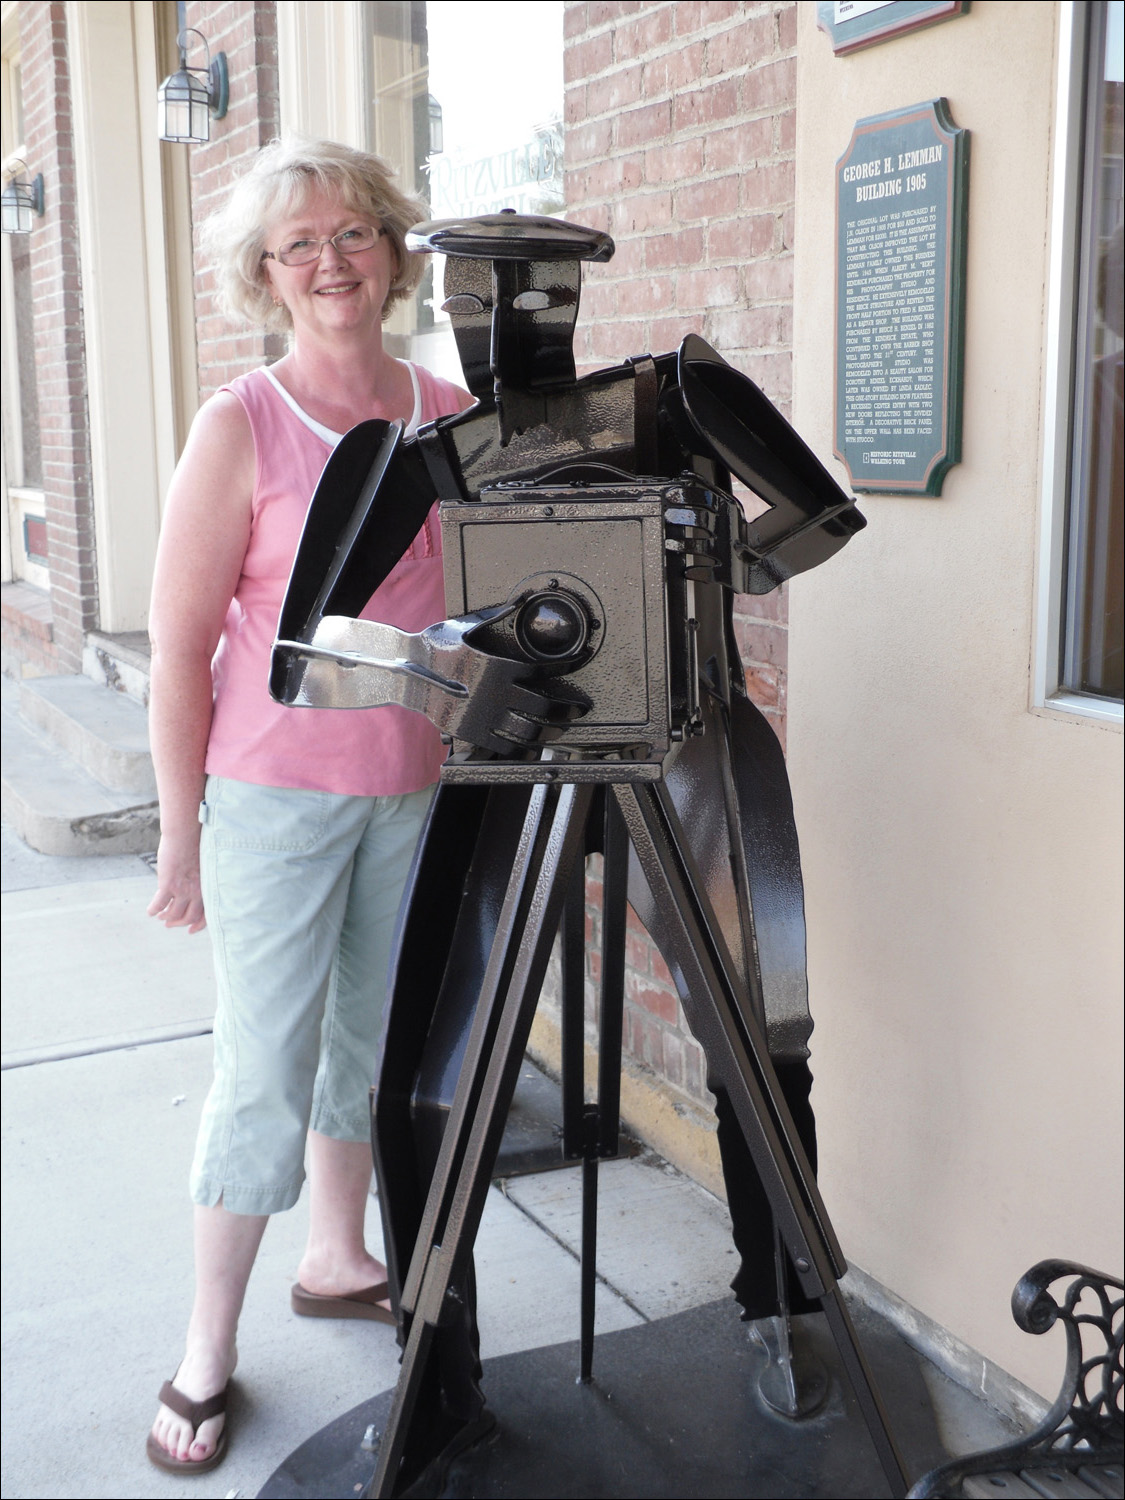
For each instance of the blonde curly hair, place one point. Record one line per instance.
(284, 175)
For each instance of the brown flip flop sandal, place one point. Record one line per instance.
(364, 1304)
(195, 1412)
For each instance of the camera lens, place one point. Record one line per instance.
(552, 627)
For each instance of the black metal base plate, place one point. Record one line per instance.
(673, 1410)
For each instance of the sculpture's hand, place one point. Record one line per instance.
(468, 693)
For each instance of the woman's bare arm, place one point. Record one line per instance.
(203, 541)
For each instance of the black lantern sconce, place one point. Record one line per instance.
(19, 201)
(190, 98)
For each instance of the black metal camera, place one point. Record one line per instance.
(588, 681)
(582, 512)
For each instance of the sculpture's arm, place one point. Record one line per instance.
(467, 693)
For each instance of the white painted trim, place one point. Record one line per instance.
(160, 301)
(120, 221)
(1081, 709)
(323, 69)
(1057, 364)
(168, 205)
(10, 26)
(1066, 185)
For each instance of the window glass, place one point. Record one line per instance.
(27, 469)
(1093, 659)
(467, 103)
(25, 530)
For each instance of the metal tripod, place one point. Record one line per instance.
(547, 865)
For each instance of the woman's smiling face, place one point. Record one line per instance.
(336, 291)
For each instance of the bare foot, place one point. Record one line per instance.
(341, 1280)
(202, 1374)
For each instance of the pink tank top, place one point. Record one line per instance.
(370, 752)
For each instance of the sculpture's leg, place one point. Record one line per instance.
(425, 1425)
(738, 1058)
(731, 793)
(450, 913)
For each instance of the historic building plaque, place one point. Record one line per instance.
(860, 23)
(901, 193)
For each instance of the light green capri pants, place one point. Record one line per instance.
(301, 891)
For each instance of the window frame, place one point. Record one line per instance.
(1068, 211)
(18, 500)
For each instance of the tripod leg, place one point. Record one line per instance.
(602, 1121)
(794, 1382)
(737, 1055)
(615, 877)
(580, 1121)
(552, 836)
(589, 1247)
(573, 1007)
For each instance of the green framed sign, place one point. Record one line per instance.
(901, 209)
(861, 23)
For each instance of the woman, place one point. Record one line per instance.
(293, 829)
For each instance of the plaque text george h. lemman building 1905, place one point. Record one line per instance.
(901, 191)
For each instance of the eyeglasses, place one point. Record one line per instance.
(348, 242)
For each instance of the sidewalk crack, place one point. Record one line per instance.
(502, 1184)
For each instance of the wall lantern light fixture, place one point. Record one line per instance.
(19, 201)
(437, 134)
(190, 98)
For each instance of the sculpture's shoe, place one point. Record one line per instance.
(364, 1304)
(195, 1412)
(452, 1438)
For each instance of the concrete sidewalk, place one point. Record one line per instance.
(107, 1059)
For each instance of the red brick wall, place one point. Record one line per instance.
(246, 30)
(59, 339)
(680, 128)
(28, 647)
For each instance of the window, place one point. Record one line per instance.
(468, 99)
(1081, 660)
(1093, 645)
(25, 527)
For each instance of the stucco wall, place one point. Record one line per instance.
(962, 852)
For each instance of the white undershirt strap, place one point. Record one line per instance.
(326, 434)
(416, 415)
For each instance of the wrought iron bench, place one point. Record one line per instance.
(1077, 1449)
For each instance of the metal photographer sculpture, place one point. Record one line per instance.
(588, 682)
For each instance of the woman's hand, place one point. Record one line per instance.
(178, 901)
(202, 544)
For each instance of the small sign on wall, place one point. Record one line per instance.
(901, 201)
(861, 23)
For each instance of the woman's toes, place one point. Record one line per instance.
(206, 1440)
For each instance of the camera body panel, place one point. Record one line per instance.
(624, 563)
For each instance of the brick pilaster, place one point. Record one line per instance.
(246, 30)
(56, 282)
(680, 134)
